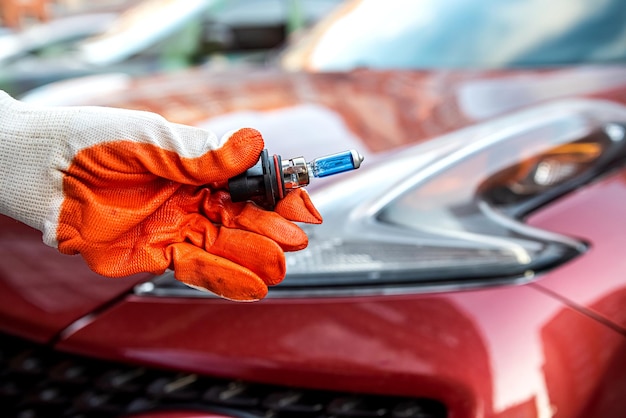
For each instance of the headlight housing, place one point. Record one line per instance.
(449, 213)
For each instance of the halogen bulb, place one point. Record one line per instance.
(336, 163)
(297, 172)
(272, 177)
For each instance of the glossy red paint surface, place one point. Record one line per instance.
(484, 353)
(42, 291)
(596, 281)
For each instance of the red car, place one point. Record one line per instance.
(472, 267)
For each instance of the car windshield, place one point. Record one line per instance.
(463, 34)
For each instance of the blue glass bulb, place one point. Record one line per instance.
(335, 163)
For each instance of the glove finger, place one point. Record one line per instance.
(201, 270)
(146, 143)
(297, 206)
(237, 152)
(257, 253)
(248, 216)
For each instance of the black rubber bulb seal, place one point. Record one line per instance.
(262, 183)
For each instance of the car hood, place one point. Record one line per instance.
(299, 114)
(323, 112)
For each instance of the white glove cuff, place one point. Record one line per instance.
(30, 140)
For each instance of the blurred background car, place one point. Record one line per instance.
(62, 30)
(468, 35)
(142, 37)
(470, 268)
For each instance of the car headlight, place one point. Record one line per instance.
(449, 212)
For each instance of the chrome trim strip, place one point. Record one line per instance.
(150, 289)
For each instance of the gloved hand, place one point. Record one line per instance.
(132, 192)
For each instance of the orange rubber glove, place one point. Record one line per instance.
(132, 192)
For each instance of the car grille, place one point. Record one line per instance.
(39, 382)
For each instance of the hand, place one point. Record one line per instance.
(133, 193)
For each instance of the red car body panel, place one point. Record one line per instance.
(42, 291)
(480, 352)
(594, 282)
(485, 353)
(551, 347)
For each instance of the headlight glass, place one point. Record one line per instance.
(449, 212)
(459, 219)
